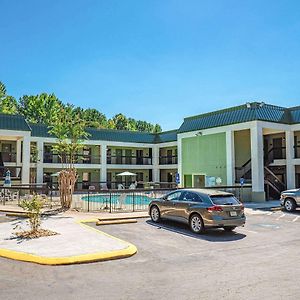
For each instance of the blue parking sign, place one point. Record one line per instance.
(242, 181)
(177, 178)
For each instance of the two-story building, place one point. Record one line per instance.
(255, 141)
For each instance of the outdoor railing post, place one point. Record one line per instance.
(133, 201)
(110, 202)
(88, 200)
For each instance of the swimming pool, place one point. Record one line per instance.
(117, 198)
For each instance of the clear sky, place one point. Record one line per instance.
(154, 60)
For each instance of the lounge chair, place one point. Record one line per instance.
(121, 186)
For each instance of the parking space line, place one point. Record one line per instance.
(295, 219)
(250, 231)
(269, 213)
(280, 217)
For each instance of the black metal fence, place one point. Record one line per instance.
(95, 199)
(12, 196)
(117, 200)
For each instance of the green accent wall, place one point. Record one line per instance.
(242, 147)
(204, 155)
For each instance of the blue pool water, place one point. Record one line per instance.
(129, 199)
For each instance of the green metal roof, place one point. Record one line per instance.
(41, 130)
(238, 114)
(166, 136)
(13, 122)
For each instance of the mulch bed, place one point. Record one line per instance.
(34, 234)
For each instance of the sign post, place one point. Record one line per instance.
(177, 178)
(242, 182)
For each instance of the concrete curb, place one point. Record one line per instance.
(85, 258)
(116, 222)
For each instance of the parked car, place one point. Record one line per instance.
(290, 199)
(200, 209)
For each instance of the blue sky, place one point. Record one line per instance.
(154, 60)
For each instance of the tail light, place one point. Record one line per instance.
(242, 207)
(215, 208)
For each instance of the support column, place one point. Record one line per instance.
(155, 162)
(257, 163)
(179, 160)
(290, 167)
(39, 163)
(19, 152)
(230, 158)
(26, 160)
(103, 171)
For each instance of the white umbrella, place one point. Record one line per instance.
(126, 174)
(55, 174)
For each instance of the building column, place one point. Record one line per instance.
(26, 160)
(39, 162)
(290, 167)
(155, 162)
(179, 162)
(103, 171)
(257, 163)
(230, 158)
(19, 152)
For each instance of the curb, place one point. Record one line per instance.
(116, 222)
(77, 259)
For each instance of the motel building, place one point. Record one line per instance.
(257, 142)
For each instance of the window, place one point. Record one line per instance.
(224, 200)
(174, 196)
(189, 196)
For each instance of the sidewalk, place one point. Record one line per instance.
(75, 243)
(263, 205)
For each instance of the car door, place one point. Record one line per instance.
(167, 205)
(184, 203)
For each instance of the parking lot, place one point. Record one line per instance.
(260, 260)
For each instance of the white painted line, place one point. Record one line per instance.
(270, 213)
(280, 216)
(294, 220)
(250, 231)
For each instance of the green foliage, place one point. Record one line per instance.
(8, 104)
(33, 207)
(69, 129)
(41, 108)
(46, 108)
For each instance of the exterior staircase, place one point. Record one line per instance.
(273, 184)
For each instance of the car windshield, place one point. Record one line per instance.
(224, 200)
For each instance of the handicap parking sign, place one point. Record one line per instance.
(242, 181)
(177, 178)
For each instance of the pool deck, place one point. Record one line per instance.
(75, 242)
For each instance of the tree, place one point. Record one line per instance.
(157, 128)
(120, 121)
(8, 104)
(69, 129)
(41, 108)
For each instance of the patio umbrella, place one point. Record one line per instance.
(126, 174)
(55, 174)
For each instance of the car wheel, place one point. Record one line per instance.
(155, 214)
(196, 223)
(229, 228)
(289, 204)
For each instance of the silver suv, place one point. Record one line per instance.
(290, 199)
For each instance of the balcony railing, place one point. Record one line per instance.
(168, 160)
(15, 172)
(129, 160)
(78, 159)
(297, 151)
(9, 156)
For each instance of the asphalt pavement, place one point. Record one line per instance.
(258, 261)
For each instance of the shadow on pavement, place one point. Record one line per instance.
(210, 235)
